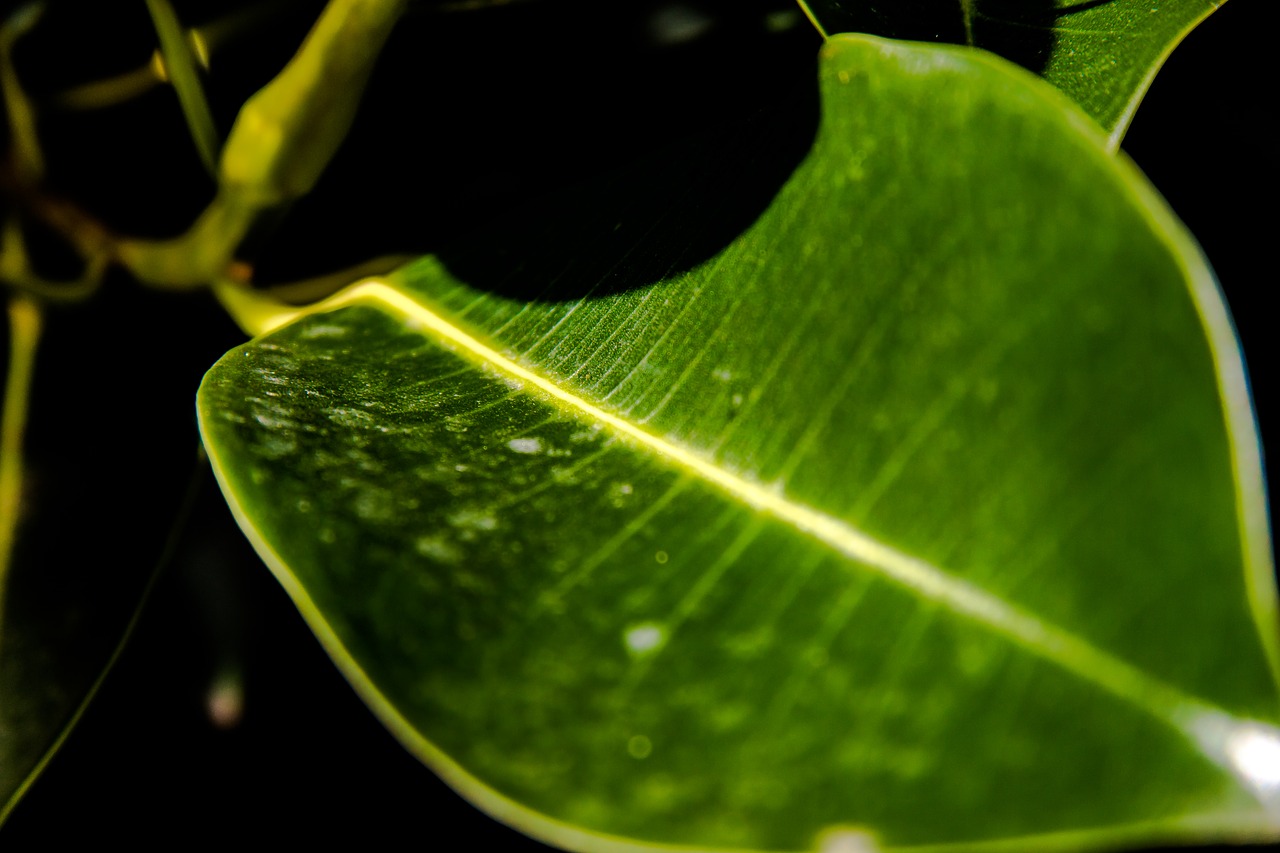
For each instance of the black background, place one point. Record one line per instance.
(308, 762)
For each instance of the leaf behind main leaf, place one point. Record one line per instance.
(105, 411)
(1102, 53)
(928, 511)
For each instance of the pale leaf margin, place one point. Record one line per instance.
(1180, 711)
(1214, 733)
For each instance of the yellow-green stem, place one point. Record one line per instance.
(967, 9)
(25, 148)
(180, 64)
(24, 336)
(813, 19)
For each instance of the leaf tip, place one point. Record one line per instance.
(1249, 749)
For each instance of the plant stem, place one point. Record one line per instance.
(966, 6)
(24, 336)
(813, 19)
(180, 67)
(28, 162)
(282, 140)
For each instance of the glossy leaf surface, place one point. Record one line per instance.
(926, 511)
(1101, 53)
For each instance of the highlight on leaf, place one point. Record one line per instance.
(735, 558)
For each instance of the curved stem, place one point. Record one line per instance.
(25, 154)
(24, 336)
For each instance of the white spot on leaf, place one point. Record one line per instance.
(437, 548)
(324, 331)
(350, 418)
(645, 638)
(525, 445)
(470, 522)
(273, 421)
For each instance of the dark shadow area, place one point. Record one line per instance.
(660, 216)
(123, 154)
(1019, 30)
(510, 140)
(913, 20)
(492, 118)
(308, 761)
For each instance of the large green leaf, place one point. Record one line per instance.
(1102, 53)
(927, 512)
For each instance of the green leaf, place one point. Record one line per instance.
(1101, 53)
(108, 454)
(927, 512)
(64, 627)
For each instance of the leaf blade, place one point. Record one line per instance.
(1103, 55)
(601, 688)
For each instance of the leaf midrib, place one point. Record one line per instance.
(1029, 632)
